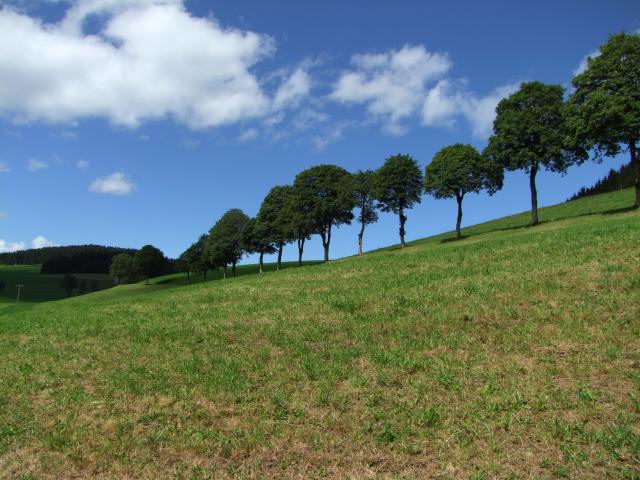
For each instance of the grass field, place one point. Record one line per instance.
(514, 353)
(38, 287)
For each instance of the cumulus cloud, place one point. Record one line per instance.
(392, 85)
(11, 246)
(41, 242)
(33, 165)
(583, 63)
(4, 168)
(117, 184)
(83, 164)
(449, 99)
(149, 59)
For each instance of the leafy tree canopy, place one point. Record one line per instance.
(398, 184)
(459, 169)
(363, 186)
(274, 223)
(224, 243)
(123, 268)
(150, 261)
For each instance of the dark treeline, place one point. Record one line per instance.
(81, 258)
(624, 177)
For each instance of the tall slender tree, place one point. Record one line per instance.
(530, 133)
(363, 184)
(255, 240)
(300, 220)
(459, 169)
(323, 197)
(224, 242)
(398, 187)
(603, 113)
(274, 221)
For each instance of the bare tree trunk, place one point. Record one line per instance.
(360, 235)
(188, 277)
(326, 241)
(636, 162)
(459, 220)
(233, 269)
(261, 263)
(534, 194)
(300, 250)
(402, 219)
(224, 271)
(280, 245)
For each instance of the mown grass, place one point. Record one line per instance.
(514, 353)
(41, 287)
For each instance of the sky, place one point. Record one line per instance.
(133, 122)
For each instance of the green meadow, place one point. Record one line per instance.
(513, 353)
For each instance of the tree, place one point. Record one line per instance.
(123, 268)
(363, 184)
(274, 220)
(324, 201)
(398, 187)
(603, 113)
(149, 262)
(459, 169)
(224, 243)
(255, 240)
(2, 285)
(300, 220)
(529, 132)
(68, 283)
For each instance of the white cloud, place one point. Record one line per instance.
(296, 87)
(392, 85)
(83, 164)
(11, 246)
(248, 135)
(34, 165)
(115, 184)
(150, 59)
(41, 242)
(4, 168)
(583, 63)
(448, 100)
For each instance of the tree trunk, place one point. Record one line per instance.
(636, 161)
(205, 274)
(224, 272)
(233, 269)
(402, 219)
(188, 277)
(360, 235)
(300, 250)
(326, 241)
(534, 194)
(261, 263)
(280, 245)
(459, 220)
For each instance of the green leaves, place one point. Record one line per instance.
(398, 184)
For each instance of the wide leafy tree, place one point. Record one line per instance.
(363, 184)
(460, 169)
(193, 259)
(224, 243)
(603, 113)
(255, 240)
(530, 134)
(398, 187)
(273, 219)
(325, 199)
(149, 262)
(123, 268)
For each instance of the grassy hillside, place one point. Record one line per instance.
(38, 287)
(514, 353)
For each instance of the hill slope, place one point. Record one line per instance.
(512, 354)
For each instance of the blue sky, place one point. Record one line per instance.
(142, 121)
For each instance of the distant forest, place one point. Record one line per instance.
(615, 180)
(69, 259)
